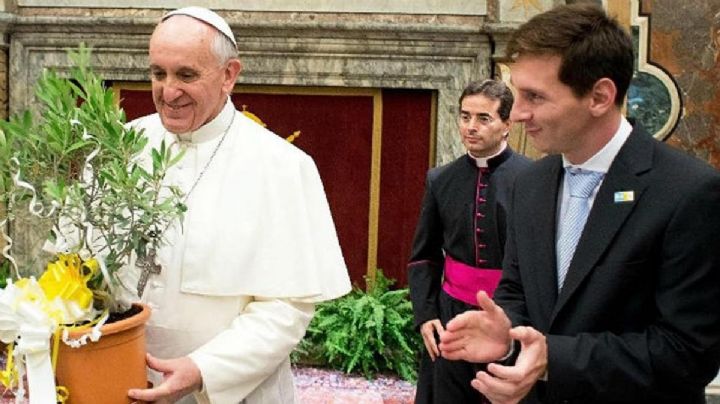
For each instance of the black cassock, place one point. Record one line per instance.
(463, 217)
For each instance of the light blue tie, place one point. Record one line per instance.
(581, 184)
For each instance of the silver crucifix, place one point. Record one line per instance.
(148, 266)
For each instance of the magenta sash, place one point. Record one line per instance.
(463, 281)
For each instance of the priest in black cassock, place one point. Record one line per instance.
(459, 240)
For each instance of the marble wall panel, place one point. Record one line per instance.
(685, 42)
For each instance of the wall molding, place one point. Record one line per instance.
(454, 7)
(440, 57)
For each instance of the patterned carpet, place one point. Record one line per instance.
(321, 386)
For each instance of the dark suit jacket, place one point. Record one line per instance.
(638, 319)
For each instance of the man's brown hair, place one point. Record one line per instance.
(590, 44)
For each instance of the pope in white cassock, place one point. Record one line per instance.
(239, 278)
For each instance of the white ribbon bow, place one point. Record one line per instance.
(25, 323)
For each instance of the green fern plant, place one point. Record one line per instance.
(369, 332)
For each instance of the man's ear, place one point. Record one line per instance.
(506, 130)
(602, 96)
(232, 71)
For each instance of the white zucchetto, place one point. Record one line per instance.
(207, 16)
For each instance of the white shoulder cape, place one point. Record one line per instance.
(258, 222)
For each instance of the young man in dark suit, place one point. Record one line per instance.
(612, 293)
(460, 235)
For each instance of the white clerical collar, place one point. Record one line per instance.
(212, 129)
(601, 161)
(483, 161)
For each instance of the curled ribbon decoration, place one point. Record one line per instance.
(35, 206)
(93, 334)
(8, 245)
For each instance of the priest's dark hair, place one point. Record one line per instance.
(494, 90)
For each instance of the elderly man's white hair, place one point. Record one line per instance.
(224, 45)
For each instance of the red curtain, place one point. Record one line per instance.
(405, 161)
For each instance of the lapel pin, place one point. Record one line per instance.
(624, 196)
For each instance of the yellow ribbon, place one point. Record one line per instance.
(9, 376)
(67, 278)
(56, 347)
(85, 325)
(62, 394)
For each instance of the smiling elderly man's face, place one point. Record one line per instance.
(189, 84)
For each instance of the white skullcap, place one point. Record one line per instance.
(207, 16)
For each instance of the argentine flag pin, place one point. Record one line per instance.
(624, 196)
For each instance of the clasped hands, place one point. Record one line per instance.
(484, 336)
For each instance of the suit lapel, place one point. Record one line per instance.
(607, 216)
(544, 229)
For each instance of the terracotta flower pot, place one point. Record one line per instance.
(104, 371)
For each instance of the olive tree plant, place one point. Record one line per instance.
(76, 163)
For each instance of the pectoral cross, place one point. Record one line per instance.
(148, 266)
